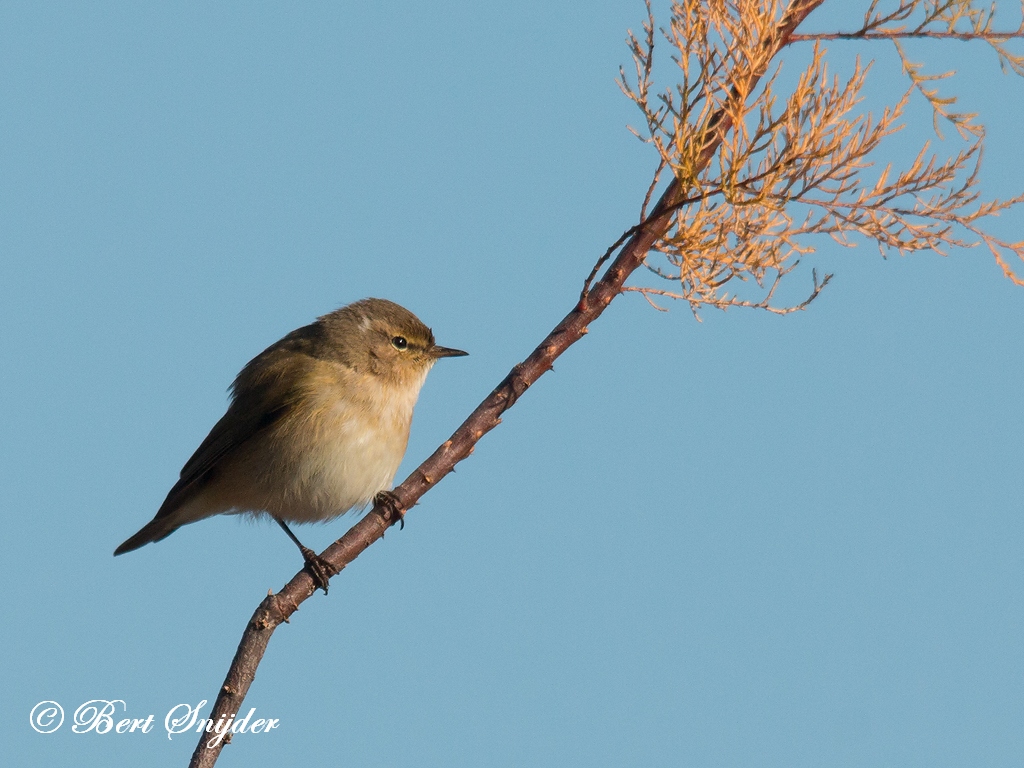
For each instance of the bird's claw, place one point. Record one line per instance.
(392, 507)
(319, 569)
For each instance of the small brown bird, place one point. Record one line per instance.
(317, 425)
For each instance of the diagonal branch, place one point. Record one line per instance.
(277, 608)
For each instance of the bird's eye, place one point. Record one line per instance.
(399, 342)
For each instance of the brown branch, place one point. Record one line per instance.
(667, 210)
(277, 608)
(1000, 37)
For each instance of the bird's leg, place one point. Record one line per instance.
(394, 510)
(318, 568)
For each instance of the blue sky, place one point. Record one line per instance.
(749, 541)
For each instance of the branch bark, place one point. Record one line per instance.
(277, 608)
(965, 37)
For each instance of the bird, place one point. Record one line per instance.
(316, 426)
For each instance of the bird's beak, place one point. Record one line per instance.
(437, 351)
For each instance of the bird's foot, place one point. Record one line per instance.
(392, 507)
(319, 569)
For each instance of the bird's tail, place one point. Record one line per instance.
(156, 529)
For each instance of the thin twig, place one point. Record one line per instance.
(585, 293)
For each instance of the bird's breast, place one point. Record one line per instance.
(341, 446)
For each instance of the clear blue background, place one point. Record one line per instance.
(753, 541)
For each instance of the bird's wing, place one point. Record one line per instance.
(265, 390)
